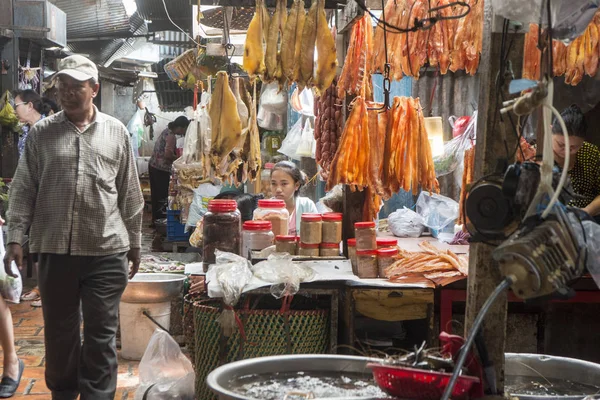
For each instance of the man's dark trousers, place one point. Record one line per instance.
(95, 284)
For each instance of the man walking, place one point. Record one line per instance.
(76, 188)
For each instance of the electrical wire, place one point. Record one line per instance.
(565, 170)
(177, 26)
(505, 284)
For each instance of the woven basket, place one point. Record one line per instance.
(268, 332)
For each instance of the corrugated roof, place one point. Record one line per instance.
(180, 12)
(170, 96)
(175, 43)
(89, 18)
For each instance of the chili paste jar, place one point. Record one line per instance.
(222, 230)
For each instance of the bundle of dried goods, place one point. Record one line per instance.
(358, 66)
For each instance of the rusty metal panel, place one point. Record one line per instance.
(93, 18)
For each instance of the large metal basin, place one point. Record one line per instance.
(219, 379)
(532, 365)
(153, 288)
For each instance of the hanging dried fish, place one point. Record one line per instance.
(307, 49)
(327, 55)
(254, 54)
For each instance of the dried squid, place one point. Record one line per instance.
(254, 54)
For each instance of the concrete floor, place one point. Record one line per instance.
(29, 339)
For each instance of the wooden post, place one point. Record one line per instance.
(484, 274)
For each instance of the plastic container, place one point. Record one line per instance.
(385, 258)
(222, 230)
(366, 263)
(386, 243)
(137, 329)
(265, 180)
(352, 254)
(175, 229)
(286, 244)
(311, 229)
(256, 235)
(332, 227)
(309, 250)
(329, 250)
(366, 236)
(273, 210)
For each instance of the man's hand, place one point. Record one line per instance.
(134, 256)
(14, 252)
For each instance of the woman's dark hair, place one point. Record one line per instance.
(246, 203)
(574, 121)
(31, 96)
(180, 122)
(52, 104)
(292, 170)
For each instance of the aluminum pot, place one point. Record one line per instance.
(153, 288)
(219, 380)
(534, 365)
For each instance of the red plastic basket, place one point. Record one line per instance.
(411, 383)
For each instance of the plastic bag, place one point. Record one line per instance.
(10, 288)
(272, 107)
(406, 223)
(165, 372)
(308, 144)
(592, 238)
(232, 273)
(8, 116)
(290, 144)
(286, 276)
(202, 195)
(135, 127)
(197, 236)
(454, 151)
(190, 143)
(437, 211)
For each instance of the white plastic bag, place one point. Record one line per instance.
(406, 223)
(202, 195)
(135, 127)
(272, 107)
(190, 143)
(592, 238)
(286, 276)
(165, 372)
(10, 288)
(308, 144)
(290, 144)
(452, 160)
(437, 211)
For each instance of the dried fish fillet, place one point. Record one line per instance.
(254, 54)
(307, 49)
(327, 55)
(291, 38)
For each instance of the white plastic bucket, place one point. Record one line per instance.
(137, 329)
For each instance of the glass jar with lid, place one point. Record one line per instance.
(286, 244)
(352, 254)
(366, 236)
(311, 229)
(386, 243)
(332, 227)
(256, 236)
(385, 258)
(366, 263)
(309, 250)
(330, 250)
(265, 180)
(222, 230)
(273, 210)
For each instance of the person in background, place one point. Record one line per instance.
(77, 188)
(31, 108)
(159, 166)
(13, 367)
(584, 165)
(286, 182)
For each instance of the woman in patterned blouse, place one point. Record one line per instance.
(30, 107)
(584, 168)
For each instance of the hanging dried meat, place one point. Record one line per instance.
(291, 41)
(407, 159)
(467, 179)
(276, 27)
(356, 73)
(250, 150)
(307, 48)
(574, 61)
(254, 53)
(441, 42)
(326, 54)
(468, 40)
(328, 127)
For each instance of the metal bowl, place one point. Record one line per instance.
(153, 288)
(534, 365)
(220, 379)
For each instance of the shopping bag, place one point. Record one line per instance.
(10, 288)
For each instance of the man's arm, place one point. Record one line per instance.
(593, 208)
(171, 147)
(131, 200)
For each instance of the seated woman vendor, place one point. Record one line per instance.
(584, 168)
(286, 181)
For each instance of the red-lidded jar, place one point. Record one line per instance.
(330, 250)
(385, 243)
(366, 236)
(311, 229)
(309, 250)
(352, 254)
(286, 244)
(332, 227)
(273, 210)
(385, 258)
(222, 230)
(366, 263)
(256, 236)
